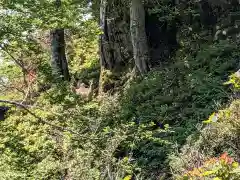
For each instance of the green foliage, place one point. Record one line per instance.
(178, 96)
(145, 130)
(82, 47)
(234, 80)
(133, 133)
(212, 140)
(21, 153)
(216, 168)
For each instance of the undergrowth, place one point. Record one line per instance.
(142, 132)
(170, 103)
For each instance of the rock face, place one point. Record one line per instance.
(3, 111)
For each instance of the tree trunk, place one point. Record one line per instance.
(138, 36)
(59, 61)
(105, 55)
(115, 39)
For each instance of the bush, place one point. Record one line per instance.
(221, 134)
(220, 168)
(167, 105)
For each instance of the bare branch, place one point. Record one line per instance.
(27, 93)
(11, 87)
(18, 62)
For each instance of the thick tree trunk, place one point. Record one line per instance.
(59, 60)
(115, 39)
(138, 34)
(105, 55)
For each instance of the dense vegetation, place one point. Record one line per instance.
(119, 89)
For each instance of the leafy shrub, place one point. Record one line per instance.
(220, 168)
(221, 134)
(234, 80)
(167, 105)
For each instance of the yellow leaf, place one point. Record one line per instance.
(129, 177)
(207, 173)
(235, 164)
(212, 118)
(207, 121)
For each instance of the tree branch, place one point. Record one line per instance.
(19, 63)
(25, 107)
(11, 87)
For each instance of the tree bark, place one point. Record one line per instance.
(138, 36)
(59, 61)
(115, 41)
(105, 54)
(115, 38)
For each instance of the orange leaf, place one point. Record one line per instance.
(223, 156)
